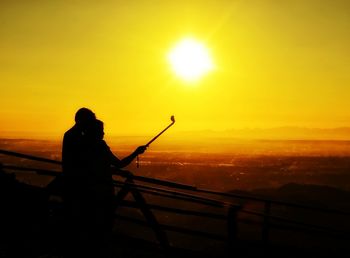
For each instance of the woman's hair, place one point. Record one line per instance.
(94, 129)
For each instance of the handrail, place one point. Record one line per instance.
(20, 155)
(135, 177)
(37, 170)
(273, 201)
(177, 194)
(142, 188)
(157, 181)
(192, 188)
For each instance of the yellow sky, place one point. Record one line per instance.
(278, 63)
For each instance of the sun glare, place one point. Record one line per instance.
(190, 60)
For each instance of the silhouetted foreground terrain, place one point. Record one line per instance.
(320, 181)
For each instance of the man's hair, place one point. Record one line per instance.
(84, 115)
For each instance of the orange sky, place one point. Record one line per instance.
(278, 63)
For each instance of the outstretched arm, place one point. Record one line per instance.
(127, 160)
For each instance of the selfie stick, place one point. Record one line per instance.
(172, 118)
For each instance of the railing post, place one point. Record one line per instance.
(232, 229)
(266, 224)
(151, 219)
(122, 193)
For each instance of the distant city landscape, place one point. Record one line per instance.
(218, 164)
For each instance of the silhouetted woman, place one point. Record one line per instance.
(98, 185)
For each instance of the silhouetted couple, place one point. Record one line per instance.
(88, 188)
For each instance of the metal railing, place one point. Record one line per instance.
(228, 204)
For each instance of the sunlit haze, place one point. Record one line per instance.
(258, 64)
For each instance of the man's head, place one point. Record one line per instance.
(83, 116)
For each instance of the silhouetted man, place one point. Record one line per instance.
(73, 142)
(88, 188)
(72, 190)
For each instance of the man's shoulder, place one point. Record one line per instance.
(73, 131)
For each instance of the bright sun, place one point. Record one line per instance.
(190, 60)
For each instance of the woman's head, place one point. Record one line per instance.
(95, 130)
